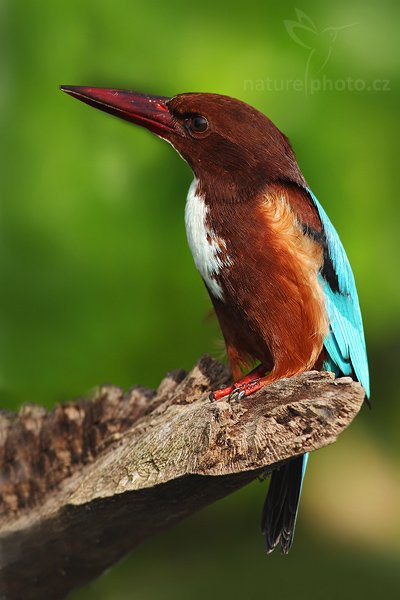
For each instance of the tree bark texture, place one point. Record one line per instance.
(83, 484)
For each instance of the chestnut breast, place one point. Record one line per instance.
(261, 272)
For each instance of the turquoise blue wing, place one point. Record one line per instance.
(345, 343)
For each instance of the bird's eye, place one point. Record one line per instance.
(199, 124)
(196, 124)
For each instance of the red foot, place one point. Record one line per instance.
(247, 389)
(244, 387)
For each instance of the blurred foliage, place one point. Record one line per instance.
(98, 284)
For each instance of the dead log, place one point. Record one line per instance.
(81, 485)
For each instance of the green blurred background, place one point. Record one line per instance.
(98, 285)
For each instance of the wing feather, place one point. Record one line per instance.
(345, 343)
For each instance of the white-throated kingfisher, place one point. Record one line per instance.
(274, 266)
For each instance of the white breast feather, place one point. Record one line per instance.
(205, 245)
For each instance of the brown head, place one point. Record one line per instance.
(233, 149)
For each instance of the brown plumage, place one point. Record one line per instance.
(273, 309)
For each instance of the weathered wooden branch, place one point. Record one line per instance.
(83, 484)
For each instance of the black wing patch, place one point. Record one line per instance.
(328, 270)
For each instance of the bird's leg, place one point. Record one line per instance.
(248, 381)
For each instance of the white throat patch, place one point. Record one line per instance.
(207, 248)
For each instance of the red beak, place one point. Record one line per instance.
(148, 111)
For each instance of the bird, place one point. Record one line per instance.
(275, 269)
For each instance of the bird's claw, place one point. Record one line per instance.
(236, 394)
